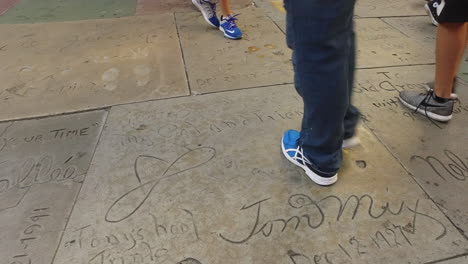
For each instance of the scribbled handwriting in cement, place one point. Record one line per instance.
(30, 172)
(125, 206)
(318, 211)
(455, 167)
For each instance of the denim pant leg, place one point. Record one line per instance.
(352, 114)
(321, 35)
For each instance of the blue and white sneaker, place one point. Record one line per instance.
(208, 9)
(293, 152)
(229, 27)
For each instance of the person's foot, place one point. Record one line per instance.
(208, 9)
(426, 104)
(293, 152)
(229, 27)
(430, 87)
(434, 9)
(351, 142)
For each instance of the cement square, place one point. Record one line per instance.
(281, 25)
(463, 73)
(380, 45)
(147, 7)
(273, 9)
(418, 28)
(42, 166)
(70, 66)
(215, 63)
(458, 260)
(202, 180)
(434, 153)
(32, 11)
(385, 8)
(422, 30)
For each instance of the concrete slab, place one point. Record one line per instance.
(273, 9)
(384, 8)
(42, 166)
(31, 11)
(457, 260)
(463, 74)
(435, 153)
(62, 67)
(461, 259)
(215, 63)
(281, 25)
(418, 28)
(380, 45)
(421, 30)
(202, 180)
(146, 7)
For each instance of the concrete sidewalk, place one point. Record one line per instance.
(132, 132)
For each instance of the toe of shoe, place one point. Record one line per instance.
(291, 135)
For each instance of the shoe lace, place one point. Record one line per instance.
(302, 158)
(423, 103)
(231, 21)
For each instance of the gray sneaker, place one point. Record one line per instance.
(430, 87)
(427, 105)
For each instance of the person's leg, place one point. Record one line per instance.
(450, 47)
(226, 8)
(438, 104)
(322, 46)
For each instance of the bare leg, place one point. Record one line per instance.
(226, 8)
(450, 47)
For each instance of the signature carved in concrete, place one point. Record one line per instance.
(129, 203)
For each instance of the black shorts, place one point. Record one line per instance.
(455, 11)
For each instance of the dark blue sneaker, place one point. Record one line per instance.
(208, 9)
(434, 8)
(229, 27)
(293, 152)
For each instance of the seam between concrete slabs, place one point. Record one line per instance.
(182, 53)
(104, 124)
(108, 107)
(448, 258)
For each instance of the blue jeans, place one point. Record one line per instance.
(321, 35)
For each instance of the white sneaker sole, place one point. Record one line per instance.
(428, 10)
(431, 115)
(202, 10)
(225, 35)
(324, 181)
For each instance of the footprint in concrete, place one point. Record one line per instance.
(110, 79)
(361, 164)
(252, 49)
(189, 261)
(142, 73)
